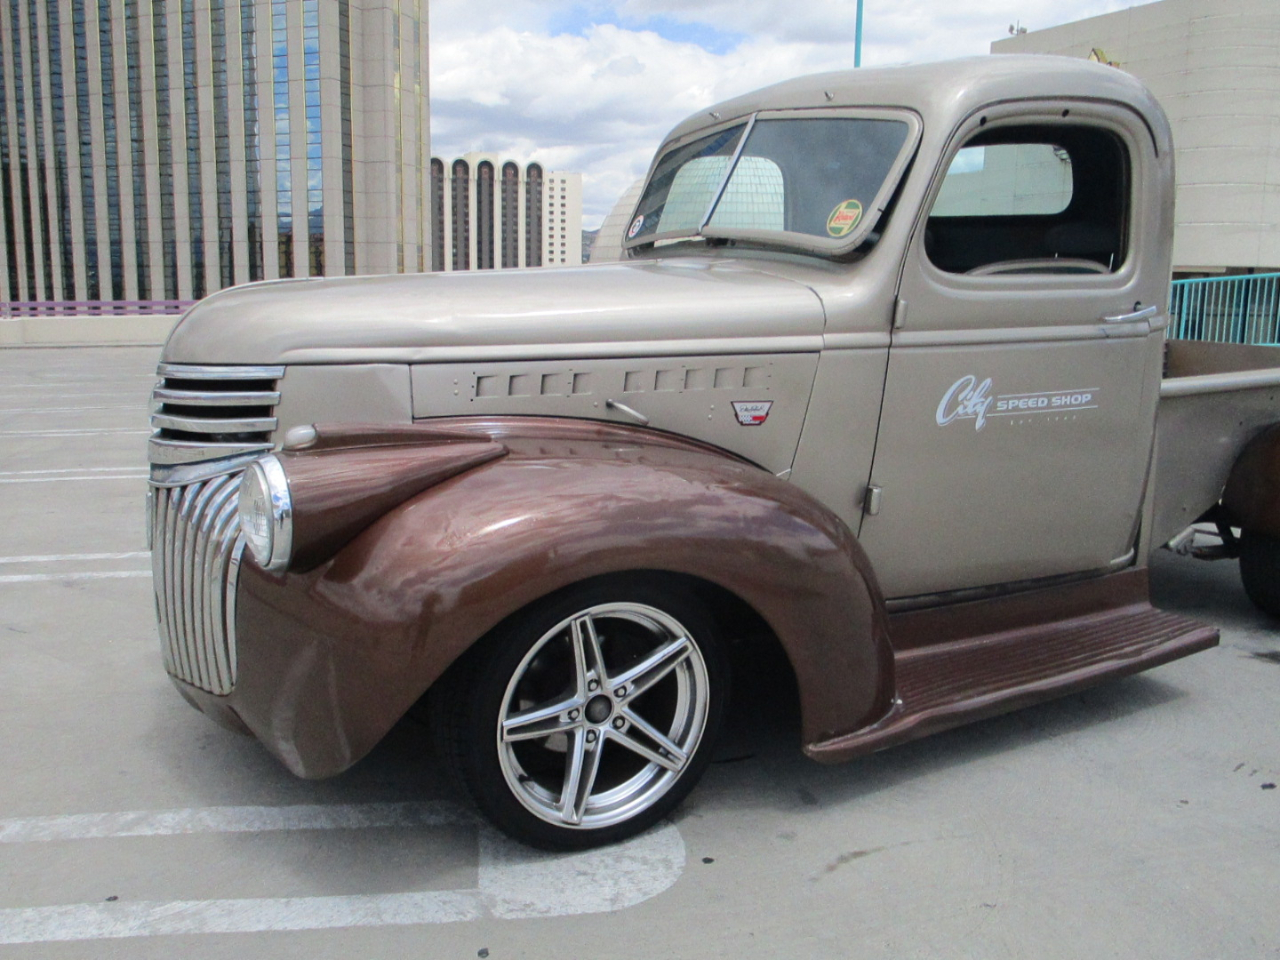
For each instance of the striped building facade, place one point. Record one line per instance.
(489, 212)
(165, 149)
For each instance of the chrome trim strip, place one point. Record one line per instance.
(223, 527)
(166, 453)
(626, 350)
(203, 398)
(165, 421)
(1219, 383)
(186, 581)
(183, 371)
(232, 594)
(951, 338)
(858, 341)
(181, 474)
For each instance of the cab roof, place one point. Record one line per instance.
(945, 93)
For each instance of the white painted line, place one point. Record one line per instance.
(103, 921)
(72, 432)
(52, 470)
(159, 823)
(82, 478)
(514, 881)
(95, 575)
(29, 410)
(63, 557)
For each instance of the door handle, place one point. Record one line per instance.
(1143, 314)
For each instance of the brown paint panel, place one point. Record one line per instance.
(948, 685)
(945, 624)
(338, 491)
(330, 659)
(1252, 496)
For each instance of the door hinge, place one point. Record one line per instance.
(871, 500)
(899, 314)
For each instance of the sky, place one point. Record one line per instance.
(593, 86)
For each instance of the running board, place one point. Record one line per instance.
(949, 684)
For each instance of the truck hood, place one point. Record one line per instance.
(671, 306)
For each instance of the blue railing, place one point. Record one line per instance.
(1227, 309)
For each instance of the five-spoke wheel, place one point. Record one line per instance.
(597, 708)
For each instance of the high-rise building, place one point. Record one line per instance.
(488, 212)
(164, 149)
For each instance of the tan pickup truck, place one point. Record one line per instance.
(879, 380)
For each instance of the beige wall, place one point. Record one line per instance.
(1215, 67)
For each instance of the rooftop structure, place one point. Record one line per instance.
(1215, 68)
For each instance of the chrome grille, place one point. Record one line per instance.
(212, 412)
(195, 560)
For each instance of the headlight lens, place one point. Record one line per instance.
(266, 513)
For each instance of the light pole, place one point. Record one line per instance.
(857, 38)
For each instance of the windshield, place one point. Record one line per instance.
(817, 177)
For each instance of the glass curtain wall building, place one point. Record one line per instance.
(165, 149)
(490, 212)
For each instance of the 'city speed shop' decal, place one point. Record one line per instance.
(971, 399)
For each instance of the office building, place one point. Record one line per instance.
(165, 149)
(490, 212)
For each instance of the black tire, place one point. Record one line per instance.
(1260, 570)
(532, 715)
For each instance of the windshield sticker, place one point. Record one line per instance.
(636, 226)
(844, 218)
(752, 413)
(969, 399)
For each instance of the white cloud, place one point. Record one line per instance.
(599, 101)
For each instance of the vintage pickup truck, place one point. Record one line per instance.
(879, 378)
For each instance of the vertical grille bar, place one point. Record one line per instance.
(194, 561)
(208, 423)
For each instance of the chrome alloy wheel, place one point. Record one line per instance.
(603, 715)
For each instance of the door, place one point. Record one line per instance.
(1019, 405)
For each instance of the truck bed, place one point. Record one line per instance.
(1214, 398)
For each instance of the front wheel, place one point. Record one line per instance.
(1260, 570)
(590, 717)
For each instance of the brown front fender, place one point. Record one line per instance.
(330, 659)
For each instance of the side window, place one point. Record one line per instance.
(1032, 200)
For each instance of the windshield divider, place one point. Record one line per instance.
(728, 173)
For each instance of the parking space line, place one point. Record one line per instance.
(90, 575)
(27, 411)
(50, 471)
(121, 475)
(63, 557)
(74, 432)
(102, 921)
(153, 823)
(514, 882)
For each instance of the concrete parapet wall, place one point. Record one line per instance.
(85, 331)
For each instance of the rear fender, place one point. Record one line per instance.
(333, 657)
(1252, 495)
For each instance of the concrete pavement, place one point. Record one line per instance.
(1133, 820)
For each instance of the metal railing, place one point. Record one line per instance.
(1242, 309)
(91, 308)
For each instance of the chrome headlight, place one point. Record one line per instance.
(266, 513)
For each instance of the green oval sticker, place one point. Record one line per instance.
(844, 218)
